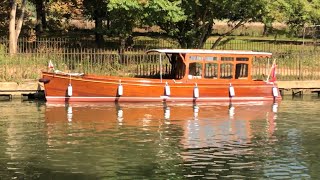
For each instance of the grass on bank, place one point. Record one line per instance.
(298, 66)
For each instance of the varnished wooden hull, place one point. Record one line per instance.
(91, 88)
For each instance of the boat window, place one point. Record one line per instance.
(226, 71)
(241, 71)
(211, 70)
(227, 58)
(195, 58)
(210, 58)
(242, 59)
(195, 70)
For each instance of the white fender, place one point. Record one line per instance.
(231, 91)
(120, 89)
(167, 89)
(196, 91)
(69, 91)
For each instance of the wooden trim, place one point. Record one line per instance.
(219, 62)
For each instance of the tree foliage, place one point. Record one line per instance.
(4, 7)
(190, 22)
(295, 13)
(124, 16)
(198, 18)
(121, 16)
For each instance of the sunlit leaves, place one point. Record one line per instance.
(199, 17)
(299, 13)
(124, 16)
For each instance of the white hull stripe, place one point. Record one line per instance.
(156, 99)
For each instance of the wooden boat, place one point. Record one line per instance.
(196, 75)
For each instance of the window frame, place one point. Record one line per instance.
(217, 59)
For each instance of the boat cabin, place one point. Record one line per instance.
(209, 64)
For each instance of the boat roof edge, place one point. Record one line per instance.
(209, 51)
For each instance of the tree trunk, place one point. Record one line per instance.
(14, 31)
(183, 42)
(122, 44)
(216, 43)
(205, 34)
(265, 30)
(121, 50)
(41, 17)
(20, 20)
(44, 16)
(98, 30)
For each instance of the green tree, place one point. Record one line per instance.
(238, 12)
(41, 20)
(4, 6)
(165, 14)
(97, 10)
(50, 14)
(274, 12)
(299, 13)
(114, 17)
(314, 12)
(124, 16)
(190, 22)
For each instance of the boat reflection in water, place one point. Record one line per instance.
(202, 124)
(169, 140)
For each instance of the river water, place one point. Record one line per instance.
(160, 141)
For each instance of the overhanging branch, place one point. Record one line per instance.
(216, 43)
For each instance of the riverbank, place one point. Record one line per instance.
(27, 89)
(298, 88)
(33, 89)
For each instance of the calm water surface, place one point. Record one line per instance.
(160, 141)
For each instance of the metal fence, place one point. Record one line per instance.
(28, 63)
(290, 66)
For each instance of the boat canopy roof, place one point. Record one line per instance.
(209, 51)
